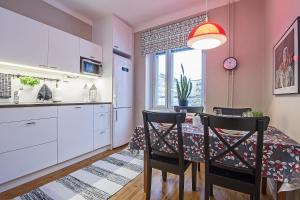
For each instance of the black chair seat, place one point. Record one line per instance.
(232, 174)
(163, 163)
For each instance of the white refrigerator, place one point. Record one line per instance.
(122, 100)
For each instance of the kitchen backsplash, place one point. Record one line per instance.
(70, 88)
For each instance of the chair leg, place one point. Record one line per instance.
(164, 176)
(257, 196)
(206, 192)
(149, 177)
(181, 186)
(211, 189)
(199, 167)
(194, 176)
(251, 197)
(264, 185)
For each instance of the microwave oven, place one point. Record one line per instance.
(90, 67)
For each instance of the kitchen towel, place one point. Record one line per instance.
(5, 86)
(44, 93)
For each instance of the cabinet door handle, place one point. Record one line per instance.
(116, 115)
(92, 57)
(30, 123)
(43, 66)
(102, 132)
(77, 107)
(102, 115)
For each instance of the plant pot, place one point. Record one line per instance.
(183, 102)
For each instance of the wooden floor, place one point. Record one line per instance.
(135, 189)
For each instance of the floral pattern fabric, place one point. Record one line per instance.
(280, 154)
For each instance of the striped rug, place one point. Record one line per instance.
(100, 180)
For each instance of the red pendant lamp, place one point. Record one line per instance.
(207, 35)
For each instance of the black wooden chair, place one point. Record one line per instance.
(232, 111)
(171, 159)
(247, 178)
(190, 109)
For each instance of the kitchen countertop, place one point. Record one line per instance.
(38, 104)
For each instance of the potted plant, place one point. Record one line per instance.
(29, 81)
(184, 88)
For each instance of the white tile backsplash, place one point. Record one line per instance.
(70, 89)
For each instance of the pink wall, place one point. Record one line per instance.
(246, 40)
(283, 110)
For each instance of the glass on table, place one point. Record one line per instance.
(182, 110)
(218, 112)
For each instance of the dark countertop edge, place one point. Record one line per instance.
(8, 105)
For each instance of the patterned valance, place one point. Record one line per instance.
(171, 36)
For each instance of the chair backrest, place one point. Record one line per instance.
(250, 125)
(190, 109)
(169, 137)
(232, 111)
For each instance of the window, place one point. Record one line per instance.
(167, 68)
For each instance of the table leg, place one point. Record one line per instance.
(264, 185)
(145, 171)
(281, 195)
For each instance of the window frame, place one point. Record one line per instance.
(169, 80)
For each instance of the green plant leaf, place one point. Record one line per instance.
(182, 69)
(27, 80)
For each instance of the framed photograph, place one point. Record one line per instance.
(286, 62)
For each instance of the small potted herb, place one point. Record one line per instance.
(184, 88)
(253, 114)
(29, 81)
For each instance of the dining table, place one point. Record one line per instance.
(280, 153)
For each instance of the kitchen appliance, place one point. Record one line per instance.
(90, 67)
(122, 100)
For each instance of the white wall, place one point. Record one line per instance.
(71, 89)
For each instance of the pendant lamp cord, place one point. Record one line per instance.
(206, 11)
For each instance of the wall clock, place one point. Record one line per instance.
(230, 63)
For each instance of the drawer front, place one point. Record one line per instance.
(101, 121)
(27, 113)
(75, 131)
(25, 161)
(17, 135)
(104, 108)
(101, 139)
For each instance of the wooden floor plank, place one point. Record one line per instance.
(135, 189)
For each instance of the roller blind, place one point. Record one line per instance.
(171, 36)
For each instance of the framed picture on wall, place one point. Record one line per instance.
(286, 61)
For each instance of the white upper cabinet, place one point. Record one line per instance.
(122, 36)
(63, 51)
(90, 50)
(22, 40)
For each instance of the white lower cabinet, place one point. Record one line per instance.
(21, 162)
(17, 135)
(102, 124)
(75, 131)
(39, 137)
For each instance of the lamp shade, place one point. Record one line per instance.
(207, 35)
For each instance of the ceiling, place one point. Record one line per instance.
(135, 12)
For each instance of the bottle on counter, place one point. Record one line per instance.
(17, 96)
(93, 93)
(86, 93)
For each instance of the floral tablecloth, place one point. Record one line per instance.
(280, 155)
